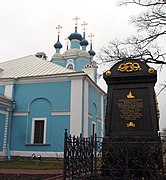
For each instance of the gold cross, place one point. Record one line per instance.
(84, 24)
(76, 20)
(91, 37)
(59, 28)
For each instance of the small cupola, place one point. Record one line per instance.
(91, 51)
(58, 45)
(84, 42)
(75, 37)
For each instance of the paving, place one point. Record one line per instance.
(29, 171)
(27, 174)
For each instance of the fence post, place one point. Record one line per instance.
(65, 153)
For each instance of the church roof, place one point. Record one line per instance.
(30, 66)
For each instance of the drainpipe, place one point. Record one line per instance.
(10, 118)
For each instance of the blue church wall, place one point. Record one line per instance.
(39, 108)
(90, 126)
(75, 44)
(18, 136)
(60, 62)
(80, 63)
(53, 91)
(57, 126)
(94, 110)
(2, 89)
(98, 128)
(2, 127)
(94, 98)
(39, 100)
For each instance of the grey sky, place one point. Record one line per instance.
(29, 26)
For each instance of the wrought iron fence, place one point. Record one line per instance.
(115, 158)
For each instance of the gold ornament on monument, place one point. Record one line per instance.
(129, 67)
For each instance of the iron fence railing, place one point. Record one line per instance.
(116, 158)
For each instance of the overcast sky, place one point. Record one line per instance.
(29, 26)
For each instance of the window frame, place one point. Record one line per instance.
(33, 129)
(93, 125)
(70, 62)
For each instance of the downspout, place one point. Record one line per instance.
(10, 118)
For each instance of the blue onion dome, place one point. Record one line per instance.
(91, 52)
(58, 45)
(84, 42)
(75, 35)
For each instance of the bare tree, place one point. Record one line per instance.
(151, 25)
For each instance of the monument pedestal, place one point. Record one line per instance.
(132, 147)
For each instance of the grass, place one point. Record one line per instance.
(31, 165)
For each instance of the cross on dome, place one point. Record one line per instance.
(76, 20)
(84, 24)
(59, 29)
(91, 37)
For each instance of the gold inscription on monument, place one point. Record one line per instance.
(130, 109)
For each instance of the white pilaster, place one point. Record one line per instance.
(86, 86)
(8, 90)
(76, 107)
(5, 134)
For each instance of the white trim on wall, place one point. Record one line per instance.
(20, 114)
(86, 115)
(5, 135)
(29, 153)
(93, 124)
(8, 90)
(60, 113)
(90, 115)
(33, 129)
(76, 107)
(3, 112)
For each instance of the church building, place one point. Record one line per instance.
(39, 99)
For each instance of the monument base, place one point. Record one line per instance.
(132, 157)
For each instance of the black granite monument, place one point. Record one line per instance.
(132, 145)
(131, 102)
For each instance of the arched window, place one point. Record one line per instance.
(70, 66)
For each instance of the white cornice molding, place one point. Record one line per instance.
(5, 101)
(60, 113)
(53, 78)
(20, 113)
(3, 112)
(50, 78)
